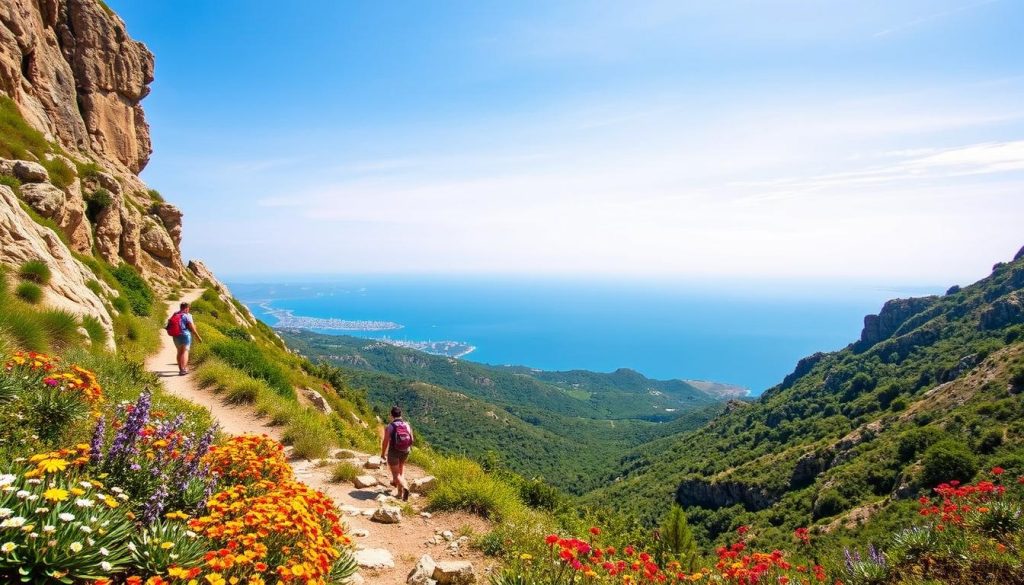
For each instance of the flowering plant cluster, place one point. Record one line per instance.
(61, 527)
(267, 526)
(44, 403)
(571, 560)
(46, 370)
(153, 459)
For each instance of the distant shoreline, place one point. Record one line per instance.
(287, 319)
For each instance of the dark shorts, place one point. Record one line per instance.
(182, 340)
(396, 457)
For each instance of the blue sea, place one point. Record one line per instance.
(745, 333)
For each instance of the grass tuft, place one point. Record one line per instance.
(97, 334)
(61, 327)
(344, 471)
(29, 292)
(35, 271)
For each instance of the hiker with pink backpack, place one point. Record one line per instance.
(395, 448)
(181, 327)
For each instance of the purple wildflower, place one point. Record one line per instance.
(155, 504)
(96, 444)
(128, 435)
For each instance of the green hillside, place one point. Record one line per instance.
(623, 394)
(932, 391)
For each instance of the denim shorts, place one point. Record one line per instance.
(182, 340)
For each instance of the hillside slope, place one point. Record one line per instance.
(930, 392)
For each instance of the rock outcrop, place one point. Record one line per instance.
(77, 76)
(23, 240)
(893, 314)
(714, 495)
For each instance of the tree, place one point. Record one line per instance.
(677, 539)
(947, 460)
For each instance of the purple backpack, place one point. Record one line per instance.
(401, 436)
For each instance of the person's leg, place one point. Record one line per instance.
(404, 487)
(395, 474)
(182, 356)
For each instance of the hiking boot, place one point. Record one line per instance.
(405, 495)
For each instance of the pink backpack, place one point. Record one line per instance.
(401, 436)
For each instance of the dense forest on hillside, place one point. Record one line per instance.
(932, 391)
(486, 413)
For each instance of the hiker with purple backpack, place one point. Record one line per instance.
(395, 448)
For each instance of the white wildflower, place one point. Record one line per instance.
(49, 529)
(42, 510)
(104, 551)
(132, 547)
(66, 516)
(106, 566)
(16, 522)
(7, 479)
(116, 490)
(6, 512)
(85, 529)
(22, 494)
(85, 484)
(84, 503)
(32, 498)
(75, 547)
(34, 481)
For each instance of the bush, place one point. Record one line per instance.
(1017, 378)
(61, 327)
(155, 195)
(344, 471)
(990, 441)
(97, 333)
(13, 182)
(88, 170)
(24, 328)
(29, 292)
(467, 487)
(17, 138)
(96, 202)
(914, 442)
(35, 271)
(945, 461)
(250, 359)
(138, 294)
(94, 286)
(61, 174)
(311, 435)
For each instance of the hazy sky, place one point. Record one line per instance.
(871, 140)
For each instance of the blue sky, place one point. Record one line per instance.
(865, 140)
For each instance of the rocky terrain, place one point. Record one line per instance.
(74, 139)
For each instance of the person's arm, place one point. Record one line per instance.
(192, 328)
(385, 442)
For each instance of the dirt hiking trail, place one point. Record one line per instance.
(387, 552)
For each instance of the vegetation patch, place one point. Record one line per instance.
(36, 271)
(29, 292)
(136, 291)
(96, 203)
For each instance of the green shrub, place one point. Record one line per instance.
(88, 170)
(13, 182)
(61, 174)
(155, 195)
(23, 326)
(138, 294)
(17, 138)
(120, 304)
(467, 487)
(915, 441)
(247, 390)
(29, 292)
(1017, 378)
(945, 461)
(311, 435)
(96, 202)
(250, 359)
(97, 334)
(344, 471)
(35, 271)
(94, 286)
(61, 327)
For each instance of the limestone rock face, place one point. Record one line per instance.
(25, 240)
(317, 400)
(888, 321)
(66, 208)
(78, 76)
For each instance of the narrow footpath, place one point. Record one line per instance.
(387, 553)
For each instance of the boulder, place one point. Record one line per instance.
(360, 533)
(66, 209)
(423, 572)
(109, 183)
(364, 481)
(423, 485)
(170, 216)
(156, 241)
(373, 462)
(375, 558)
(317, 400)
(454, 573)
(30, 172)
(387, 515)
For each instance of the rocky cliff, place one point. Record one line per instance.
(73, 138)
